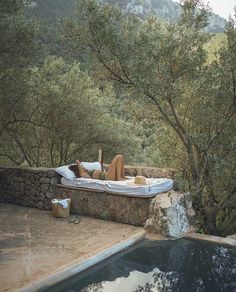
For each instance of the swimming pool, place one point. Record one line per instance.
(179, 265)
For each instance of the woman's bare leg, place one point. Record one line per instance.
(116, 169)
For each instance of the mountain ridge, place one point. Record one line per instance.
(164, 9)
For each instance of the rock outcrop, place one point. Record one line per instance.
(170, 214)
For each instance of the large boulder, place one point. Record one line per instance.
(170, 214)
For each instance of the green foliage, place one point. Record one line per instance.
(18, 47)
(189, 101)
(49, 14)
(66, 115)
(162, 94)
(52, 113)
(213, 47)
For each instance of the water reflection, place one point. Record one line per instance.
(164, 266)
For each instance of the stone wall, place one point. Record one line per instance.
(30, 187)
(36, 187)
(123, 209)
(149, 171)
(168, 213)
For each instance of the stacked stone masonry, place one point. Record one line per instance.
(168, 213)
(30, 187)
(102, 205)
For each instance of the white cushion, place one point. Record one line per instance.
(91, 165)
(65, 172)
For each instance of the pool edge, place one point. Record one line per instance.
(224, 241)
(81, 265)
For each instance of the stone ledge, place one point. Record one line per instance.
(26, 168)
(148, 171)
(167, 213)
(102, 205)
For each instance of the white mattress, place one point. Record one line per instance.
(154, 186)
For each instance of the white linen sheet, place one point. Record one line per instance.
(154, 186)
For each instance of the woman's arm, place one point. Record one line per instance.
(82, 171)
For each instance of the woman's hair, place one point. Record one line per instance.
(74, 168)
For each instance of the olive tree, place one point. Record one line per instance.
(164, 66)
(18, 48)
(68, 119)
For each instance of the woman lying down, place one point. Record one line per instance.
(115, 170)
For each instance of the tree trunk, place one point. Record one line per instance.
(210, 216)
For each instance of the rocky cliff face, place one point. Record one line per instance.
(164, 9)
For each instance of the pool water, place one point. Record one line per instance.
(165, 266)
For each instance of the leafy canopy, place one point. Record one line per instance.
(165, 67)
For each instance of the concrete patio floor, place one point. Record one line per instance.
(33, 244)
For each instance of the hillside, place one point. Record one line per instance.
(164, 9)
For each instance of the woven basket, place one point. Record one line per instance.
(59, 211)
